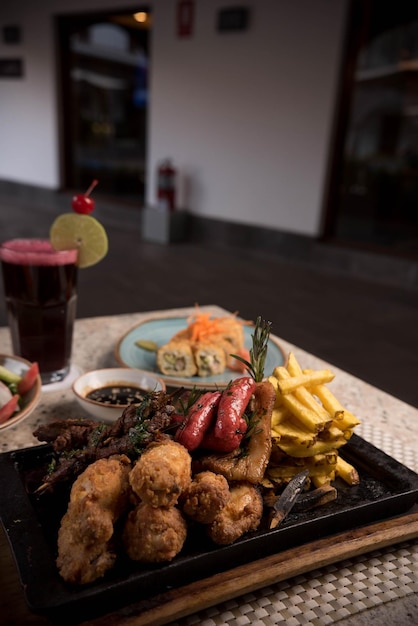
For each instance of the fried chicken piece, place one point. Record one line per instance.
(242, 514)
(154, 534)
(98, 497)
(161, 473)
(247, 463)
(206, 496)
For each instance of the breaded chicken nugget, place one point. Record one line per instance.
(206, 496)
(242, 514)
(161, 473)
(152, 535)
(98, 497)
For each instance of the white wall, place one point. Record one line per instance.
(246, 117)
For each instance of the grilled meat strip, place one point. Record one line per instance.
(77, 443)
(66, 434)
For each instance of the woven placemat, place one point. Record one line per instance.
(332, 593)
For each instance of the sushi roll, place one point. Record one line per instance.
(176, 359)
(232, 342)
(233, 338)
(209, 358)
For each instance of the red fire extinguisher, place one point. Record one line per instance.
(166, 185)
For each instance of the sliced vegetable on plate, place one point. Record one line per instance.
(28, 379)
(20, 388)
(9, 403)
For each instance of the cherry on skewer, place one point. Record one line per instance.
(82, 202)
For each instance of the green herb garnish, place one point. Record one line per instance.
(258, 352)
(139, 435)
(186, 402)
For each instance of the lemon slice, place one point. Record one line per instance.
(72, 230)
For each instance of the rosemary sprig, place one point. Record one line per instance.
(258, 352)
(185, 403)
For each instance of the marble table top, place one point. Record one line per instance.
(94, 345)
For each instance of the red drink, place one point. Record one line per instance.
(40, 286)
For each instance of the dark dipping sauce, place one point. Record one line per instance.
(117, 394)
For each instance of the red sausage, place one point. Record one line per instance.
(210, 442)
(191, 433)
(176, 419)
(232, 406)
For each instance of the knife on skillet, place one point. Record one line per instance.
(284, 504)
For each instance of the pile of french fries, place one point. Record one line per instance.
(308, 427)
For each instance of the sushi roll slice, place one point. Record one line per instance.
(176, 359)
(209, 358)
(233, 338)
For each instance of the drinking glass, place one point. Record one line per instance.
(40, 287)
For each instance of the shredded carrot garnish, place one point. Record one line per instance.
(201, 326)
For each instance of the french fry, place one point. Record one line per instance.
(310, 402)
(318, 465)
(305, 416)
(338, 416)
(309, 426)
(345, 419)
(288, 383)
(347, 472)
(304, 396)
(332, 433)
(290, 432)
(279, 415)
(274, 381)
(293, 366)
(318, 447)
(280, 458)
(348, 421)
(323, 458)
(320, 481)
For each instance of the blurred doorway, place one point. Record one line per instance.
(104, 66)
(373, 190)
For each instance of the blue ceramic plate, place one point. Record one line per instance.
(161, 331)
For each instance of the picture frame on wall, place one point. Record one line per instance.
(11, 68)
(233, 20)
(12, 34)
